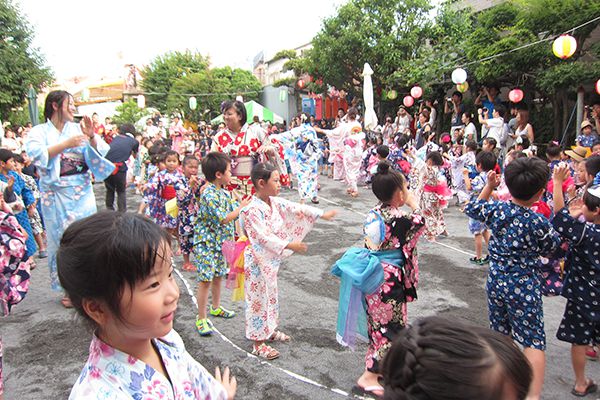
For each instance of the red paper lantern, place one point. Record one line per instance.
(598, 86)
(416, 92)
(300, 83)
(408, 101)
(515, 95)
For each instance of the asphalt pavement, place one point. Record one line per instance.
(46, 346)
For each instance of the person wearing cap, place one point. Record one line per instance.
(587, 137)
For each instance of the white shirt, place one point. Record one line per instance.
(495, 126)
(470, 131)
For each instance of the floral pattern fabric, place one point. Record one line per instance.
(188, 210)
(388, 228)
(110, 374)
(21, 190)
(36, 221)
(209, 232)
(158, 190)
(269, 230)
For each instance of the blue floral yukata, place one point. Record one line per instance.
(519, 237)
(477, 227)
(188, 209)
(209, 233)
(21, 190)
(581, 321)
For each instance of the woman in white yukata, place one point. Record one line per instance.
(135, 353)
(66, 155)
(275, 228)
(346, 147)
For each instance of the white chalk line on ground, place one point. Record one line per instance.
(364, 215)
(250, 355)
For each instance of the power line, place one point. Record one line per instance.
(205, 94)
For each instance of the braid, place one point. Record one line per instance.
(402, 381)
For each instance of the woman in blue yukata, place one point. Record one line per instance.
(135, 353)
(65, 154)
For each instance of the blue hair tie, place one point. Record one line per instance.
(597, 179)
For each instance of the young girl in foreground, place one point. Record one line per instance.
(275, 228)
(131, 302)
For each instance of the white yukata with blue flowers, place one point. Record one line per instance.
(110, 374)
(65, 181)
(519, 238)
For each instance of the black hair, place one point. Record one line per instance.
(383, 150)
(89, 268)
(486, 160)
(239, 108)
(189, 159)
(214, 162)
(457, 93)
(439, 359)
(58, 97)
(386, 182)
(19, 158)
(501, 109)
(592, 165)
(435, 157)
(401, 140)
(171, 153)
(553, 150)
(352, 112)
(6, 155)
(596, 143)
(526, 176)
(525, 143)
(126, 128)
(491, 141)
(471, 145)
(262, 171)
(591, 202)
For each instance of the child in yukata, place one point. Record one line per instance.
(580, 325)
(384, 274)
(485, 161)
(519, 238)
(135, 353)
(188, 190)
(275, 228)
(217, 212)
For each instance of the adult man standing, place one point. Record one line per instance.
(457, 110)
(121, 148)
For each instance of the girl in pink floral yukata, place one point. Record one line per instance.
(387, 283)
(275, 228)
(131, 302)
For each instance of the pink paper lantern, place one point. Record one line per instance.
(416, 92)
(408, 101)
(598, 86)
(300, 83)
(515, 95)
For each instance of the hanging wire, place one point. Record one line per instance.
(205, 94)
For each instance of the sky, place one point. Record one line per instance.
(97, 38)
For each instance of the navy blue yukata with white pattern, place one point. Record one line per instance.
(519, 236)
(581, 320)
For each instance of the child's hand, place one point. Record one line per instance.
(297, 247)
(245, 202)
(493, 180)
(329, 215)
(560, 174)
(228, 382)
(193, 182)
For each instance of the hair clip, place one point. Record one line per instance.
(554, 142)
(594, 191)
(596, 179)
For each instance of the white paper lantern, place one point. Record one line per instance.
(459, 76)
(141, 101)
(193, 103)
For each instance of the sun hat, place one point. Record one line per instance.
(585, 124)
(577, 153)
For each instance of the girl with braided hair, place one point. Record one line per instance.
(439, 359)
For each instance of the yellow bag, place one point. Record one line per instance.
(171, 207)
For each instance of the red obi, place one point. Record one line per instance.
(168, 192)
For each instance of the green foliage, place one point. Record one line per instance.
(220, 83)
(285, 82)
(164, 70)
(299, 65)
(20, 115)
(568, 76)
(128, 113)
(20, 64)
(291, 54)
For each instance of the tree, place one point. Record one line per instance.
(164, 70)
(128, 113)
(20, 63)
(211, 87)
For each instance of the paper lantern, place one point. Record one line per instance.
(193, 103)
(598, 86)
(392, 94)
(564, 46)
(300, 83)
(283, 95)
(141, 101)
(239, 98)
(459, 76)
(408, 101)
(416, 92)
(85, 94)
(462, 87)
(515, 95)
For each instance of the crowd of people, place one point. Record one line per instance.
(529, 213)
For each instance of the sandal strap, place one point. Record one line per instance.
(265, 351)
(279, 336)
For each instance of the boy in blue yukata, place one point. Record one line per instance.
(519, 237)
